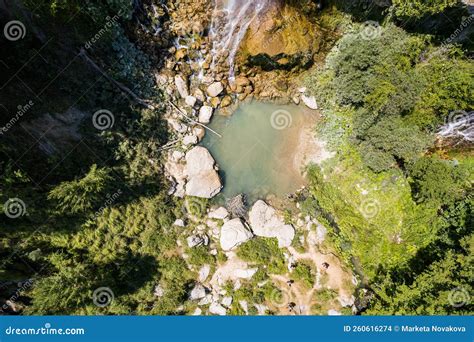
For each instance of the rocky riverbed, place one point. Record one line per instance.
(217, 63)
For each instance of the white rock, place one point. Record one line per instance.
(213, 225)
(217, 309)
(227, 301)
(198, 292)
(265, 222)
(199, 131)
(218, 214)
(204, 273)
(310, 102)
(199, 160)
(177, 126)
(190, 100)
(205, 114)
(159, 291)
(206, 185)
(203, 180)
(244, 305)
(190, 140)
(245, 274)
(178, 223)
(197, 312)
(233, 234)
(321, 232)
(215, 89)
(181, 86)
(302, 90)
(206, 300)
(334, 313)
(261, 309)
(177, 156)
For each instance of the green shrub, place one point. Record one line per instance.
(304, 273)
(265, 253)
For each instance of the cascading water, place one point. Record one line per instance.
(460, 127)
(230, 23)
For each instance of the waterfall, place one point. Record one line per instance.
(230, 23)
(460, 126)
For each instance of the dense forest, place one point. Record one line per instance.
(86, 202)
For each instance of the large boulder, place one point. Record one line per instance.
(233, 234)
(203, 180)
(266, 222)
(198, 292)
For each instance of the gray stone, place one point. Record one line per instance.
(190, 140)
(233, 234)
(181, 86)
(215, 89)
(159, 291)
(217, 309)
(190, 100)
(178, 223)
(265, 222)
(203, 180)
(218, 214)
(227, 301)
(204, 273)
(205, 114)
(198, 292)
(310, 102)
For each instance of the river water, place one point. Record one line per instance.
(258, 151)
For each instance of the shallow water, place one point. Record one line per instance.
(256, 154)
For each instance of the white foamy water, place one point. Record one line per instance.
(230, 23)
(460, 126)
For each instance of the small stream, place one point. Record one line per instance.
(257, 153)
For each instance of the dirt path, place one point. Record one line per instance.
(304, 299)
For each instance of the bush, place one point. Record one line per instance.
(304, 273)
(265, 253)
